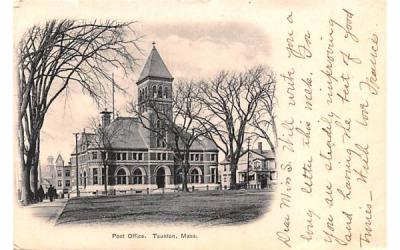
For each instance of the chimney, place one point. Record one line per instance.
(260, 146)
(105, 118)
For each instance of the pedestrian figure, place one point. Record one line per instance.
(50, 193)
(41, 193)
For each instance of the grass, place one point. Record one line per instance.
(200, 208)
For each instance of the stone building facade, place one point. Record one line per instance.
(137, 159)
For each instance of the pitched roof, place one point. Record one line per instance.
(204, 144)
(154, 67)
(127, 133)
(264, 154)
(60, 160)
(267, 154)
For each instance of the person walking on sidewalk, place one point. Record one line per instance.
(41, 193)
(50, 193)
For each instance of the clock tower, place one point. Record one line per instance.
(154, 89)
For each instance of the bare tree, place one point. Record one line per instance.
(174, 122)
(264, 118)
(50, 58)
(103, 138)
(230, 103)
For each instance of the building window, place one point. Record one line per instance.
(67, 183)
(121, 177)
(94, 155)
(129, 156)
(60, 183)
(159, 94)
(59, 173)
(213, 175)
(140, 156)
(166, 92)
(103, 175)
(95, 176)
(164, 156)
(212, 157)
(134, 156)
(118, 156)
(137, 176)
(192, 157)
(124, 156)
(67, 173)
(224, 167)
(111, 156)
(154, 92)
(194, 176)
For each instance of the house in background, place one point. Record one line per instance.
(64, 177)
(256, 164)
(47, 174)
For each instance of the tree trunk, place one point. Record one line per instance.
(233, 167)
(26, 186)
(185, 177)
(105, 178)
(35, 164)
(27, 195)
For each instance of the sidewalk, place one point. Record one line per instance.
(48, 211)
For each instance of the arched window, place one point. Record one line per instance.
(121, 176)
(137, 176)
(140, 95)
(154, 92)
(159, 95)
(194, 176)
(166, 92)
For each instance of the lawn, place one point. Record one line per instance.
(199, 208)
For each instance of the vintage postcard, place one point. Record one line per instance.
(199, 124)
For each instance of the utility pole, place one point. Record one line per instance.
(248, 161)
(113, 91)
(76, 161)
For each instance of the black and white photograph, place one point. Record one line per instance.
(197, 124)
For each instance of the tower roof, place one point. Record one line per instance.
(154, 67)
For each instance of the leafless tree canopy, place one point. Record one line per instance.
(56, 54)
(175, 122)
(103, 139)
(232, 103)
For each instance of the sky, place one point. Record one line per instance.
(196, 40)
